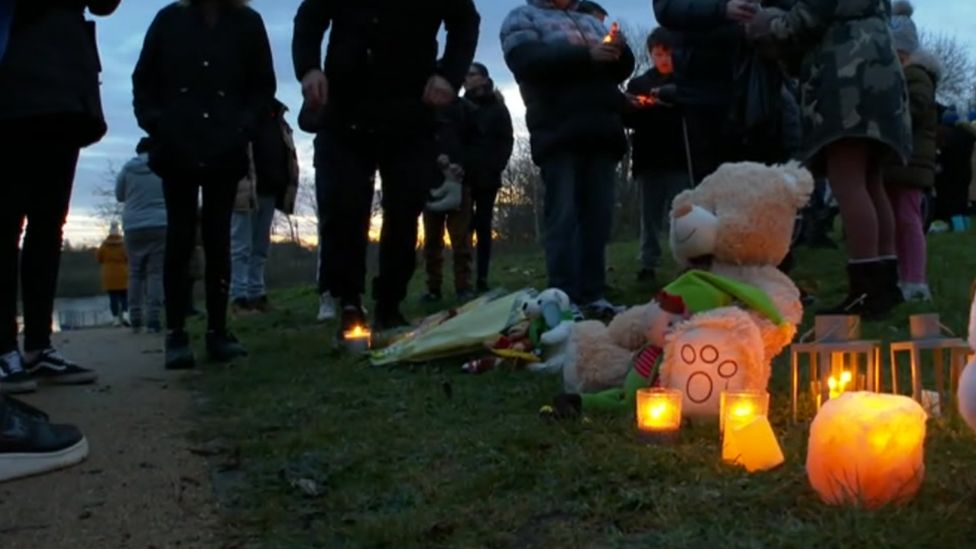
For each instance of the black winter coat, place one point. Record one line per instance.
(658, 140)
(49, 75)
(494, 139)
(380, 56)
(707, 49)
(200, 90)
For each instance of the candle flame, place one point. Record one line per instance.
(838, 387)
(645, 100)
(613, 34)
(358, 332)
(746, 409)
(658, 411)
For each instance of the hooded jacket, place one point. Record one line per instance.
(141, 191)
(115, 264)
(49, 73)
(573, 103)
(493, 140)
(922, 73)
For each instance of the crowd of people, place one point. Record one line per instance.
(730, 80)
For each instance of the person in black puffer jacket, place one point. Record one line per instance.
(50, 108)
(569, 81)
(709, 47)
(374, 104)
(203, 80)
(660, 159)
(489, 154)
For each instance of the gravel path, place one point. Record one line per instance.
(142, 486)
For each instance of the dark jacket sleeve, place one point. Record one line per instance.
(505, 135)
(461, 21)
(263, 83)
(145, 85)
(624, 68)
(312, 20)
(681, 15)
(103, 7)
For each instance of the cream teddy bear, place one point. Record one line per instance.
(738, 223)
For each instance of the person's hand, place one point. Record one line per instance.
(439, 92)
(760, 26)
(315, 89)
(742, 11)
(605, 53)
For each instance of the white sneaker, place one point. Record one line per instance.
(327, 308)
(918, 293)
(117, 323)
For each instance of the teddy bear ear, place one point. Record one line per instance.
(800, 180)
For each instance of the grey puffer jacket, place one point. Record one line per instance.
(142, 193)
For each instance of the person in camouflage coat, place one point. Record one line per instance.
(855, 116)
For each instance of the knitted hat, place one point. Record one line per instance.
(700, 291)
(903, 28)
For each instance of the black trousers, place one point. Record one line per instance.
(483, 202)
(346, 164)
(36, 188)
(182, 205)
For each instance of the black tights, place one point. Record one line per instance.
(182, 202)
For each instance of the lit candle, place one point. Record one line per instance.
(741, 407)
(659, 412)
(839, 386)
(614, 33)
(357, 340)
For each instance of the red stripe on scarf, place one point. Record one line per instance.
(645, 360)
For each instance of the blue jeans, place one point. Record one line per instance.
(579, 194)
(146, 249)
(657, 191)
(250, 234)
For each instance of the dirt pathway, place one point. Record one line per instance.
(141, 486)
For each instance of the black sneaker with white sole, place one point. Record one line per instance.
(49, 366)
(29, 446)
(14, 380)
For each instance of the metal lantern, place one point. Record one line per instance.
(839, 361)
(927, 337)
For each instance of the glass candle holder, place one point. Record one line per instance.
(358, 340)
(738, 408)
(659, 413)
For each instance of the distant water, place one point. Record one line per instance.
(80, 313)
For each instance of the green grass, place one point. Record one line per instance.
(427, 456)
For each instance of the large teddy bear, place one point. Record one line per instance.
(738, 224)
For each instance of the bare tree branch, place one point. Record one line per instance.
(958, 67)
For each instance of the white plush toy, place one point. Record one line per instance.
(966, 393)
(550, 330)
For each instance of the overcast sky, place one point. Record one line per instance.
(120, 39)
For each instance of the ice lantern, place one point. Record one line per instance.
(867, 449)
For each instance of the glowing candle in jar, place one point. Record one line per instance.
(357, 340)
(839, 386)
(659, 412)
(740, 407)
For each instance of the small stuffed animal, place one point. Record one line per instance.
(448, 196)
(550, 327)
(966, 393)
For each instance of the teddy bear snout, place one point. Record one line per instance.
(693, 232)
